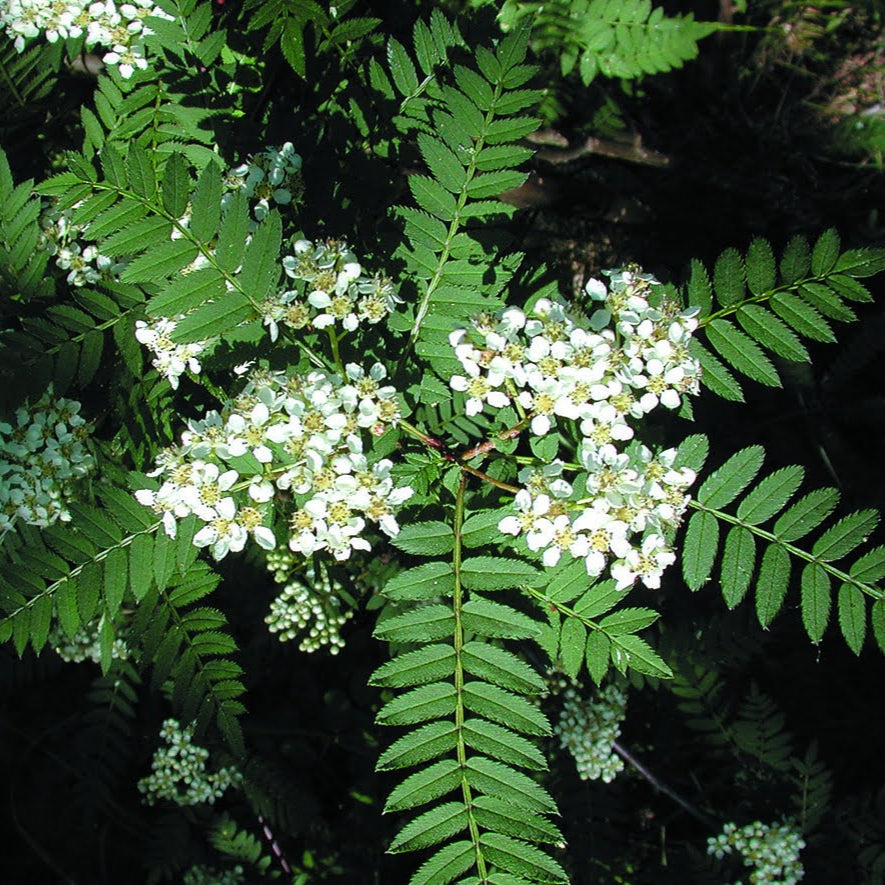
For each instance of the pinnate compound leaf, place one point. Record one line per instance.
(699, 549)
(771, 495)
(815, 600)
(852, 616)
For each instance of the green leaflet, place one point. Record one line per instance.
(427, 742)
(425, 786)
(806, 514)
(699, 549)
(501, 667)
(416, 667)
(502, 706)
(492, 619)
(738, 562)
(815, 601)
(496, 573)
(499, 780)
(740, 351)
(522, 859)
(434, 826)
(852, 616)
(427, 581)
(430, 538)
(726, 483)
(502, 743)
(771, 495)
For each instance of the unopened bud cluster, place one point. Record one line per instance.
(120, 28)
(772, 850)
(589, 729)
(43, 454)
(303, 435)
(179, 771)
(85, 644)
(311, 603)
(601, 372)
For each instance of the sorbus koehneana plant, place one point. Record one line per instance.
(425, 429)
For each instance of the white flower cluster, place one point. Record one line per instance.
(119, 27)
(42, 456)
(772, 850)
(588, 730)
(272, 175)
(170, 358)
(85, 263)
(312, 603)
(204, 875)
(302, 435)
(178, 771)
(338, 291)
(601, 372)
(85, 644)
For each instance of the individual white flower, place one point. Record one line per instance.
(223, 533)
(480, 391)
(648, 564)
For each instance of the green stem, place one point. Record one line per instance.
(333, 342)
(461, 746)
